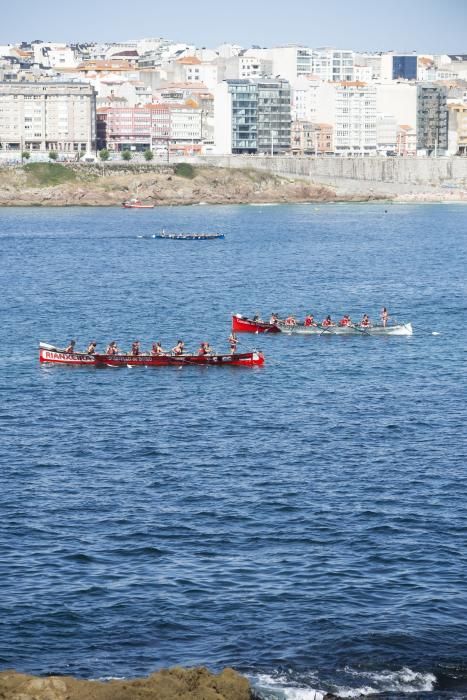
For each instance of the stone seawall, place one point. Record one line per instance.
(424, 172)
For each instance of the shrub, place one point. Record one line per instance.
(148, 154)
(104, 154)
(185, 170)
(126, 155)
(25, 155)
(53, 155)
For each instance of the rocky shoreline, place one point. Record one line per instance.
(101, 185)
(172, 684)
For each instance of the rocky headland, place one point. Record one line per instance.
(104, 184)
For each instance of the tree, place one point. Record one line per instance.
(126, 155)
(53, 155)
(148, 154)
(26, 155)
(104, 154)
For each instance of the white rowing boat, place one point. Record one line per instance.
(300, 329)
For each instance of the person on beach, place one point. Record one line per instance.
(71, 346)
(328, 322)
(384, 316)
(179, 348)
(91, 347)
(233, 342)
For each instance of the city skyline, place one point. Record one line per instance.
(400, 27)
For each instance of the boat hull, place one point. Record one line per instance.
(66, 358)
(241, 324)
(399, 329)
(244, 359)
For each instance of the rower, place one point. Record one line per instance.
(345, 321)
(203, 349)
(384, 316)
(309, 320)
(328, 322)
(179, 347)
(71, 346)
(233, 342)
(135, 348)
(365, 322)
(112, 348)
(290, 321)
(91, 348)
(274, 319)
(157, 349)
(257, 318)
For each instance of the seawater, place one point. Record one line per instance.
(304, 522)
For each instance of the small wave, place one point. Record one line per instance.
(402, 681)
(279, 687)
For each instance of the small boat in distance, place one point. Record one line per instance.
(189, 236)
(135, 203)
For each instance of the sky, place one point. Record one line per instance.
(427, 26)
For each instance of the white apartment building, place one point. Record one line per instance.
(243, 67)
(291, 62)
(47, 116)
(54, 55)
(350, 107)
(371, 61)
(191, 69)
(305, 93)
(333, 65)
(185, 124)
(399, 99)
(386, 134)
(363, 74)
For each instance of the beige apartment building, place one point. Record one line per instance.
(47, 117)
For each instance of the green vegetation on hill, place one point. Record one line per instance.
(48, 174)
(185, 170)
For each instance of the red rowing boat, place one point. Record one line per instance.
(242, 359)
(242, 324)
(49, 353)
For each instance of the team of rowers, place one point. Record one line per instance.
(365, 322)
(156, 349)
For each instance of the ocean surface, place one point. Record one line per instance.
(304, 522)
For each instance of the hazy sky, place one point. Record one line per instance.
(432, 26)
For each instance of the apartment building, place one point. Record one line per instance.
(252, 116)
(432, 119)
(335, 65)
(154, 127)
(309, 138)
(47, 116)
(350, 107)
(458, 129)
